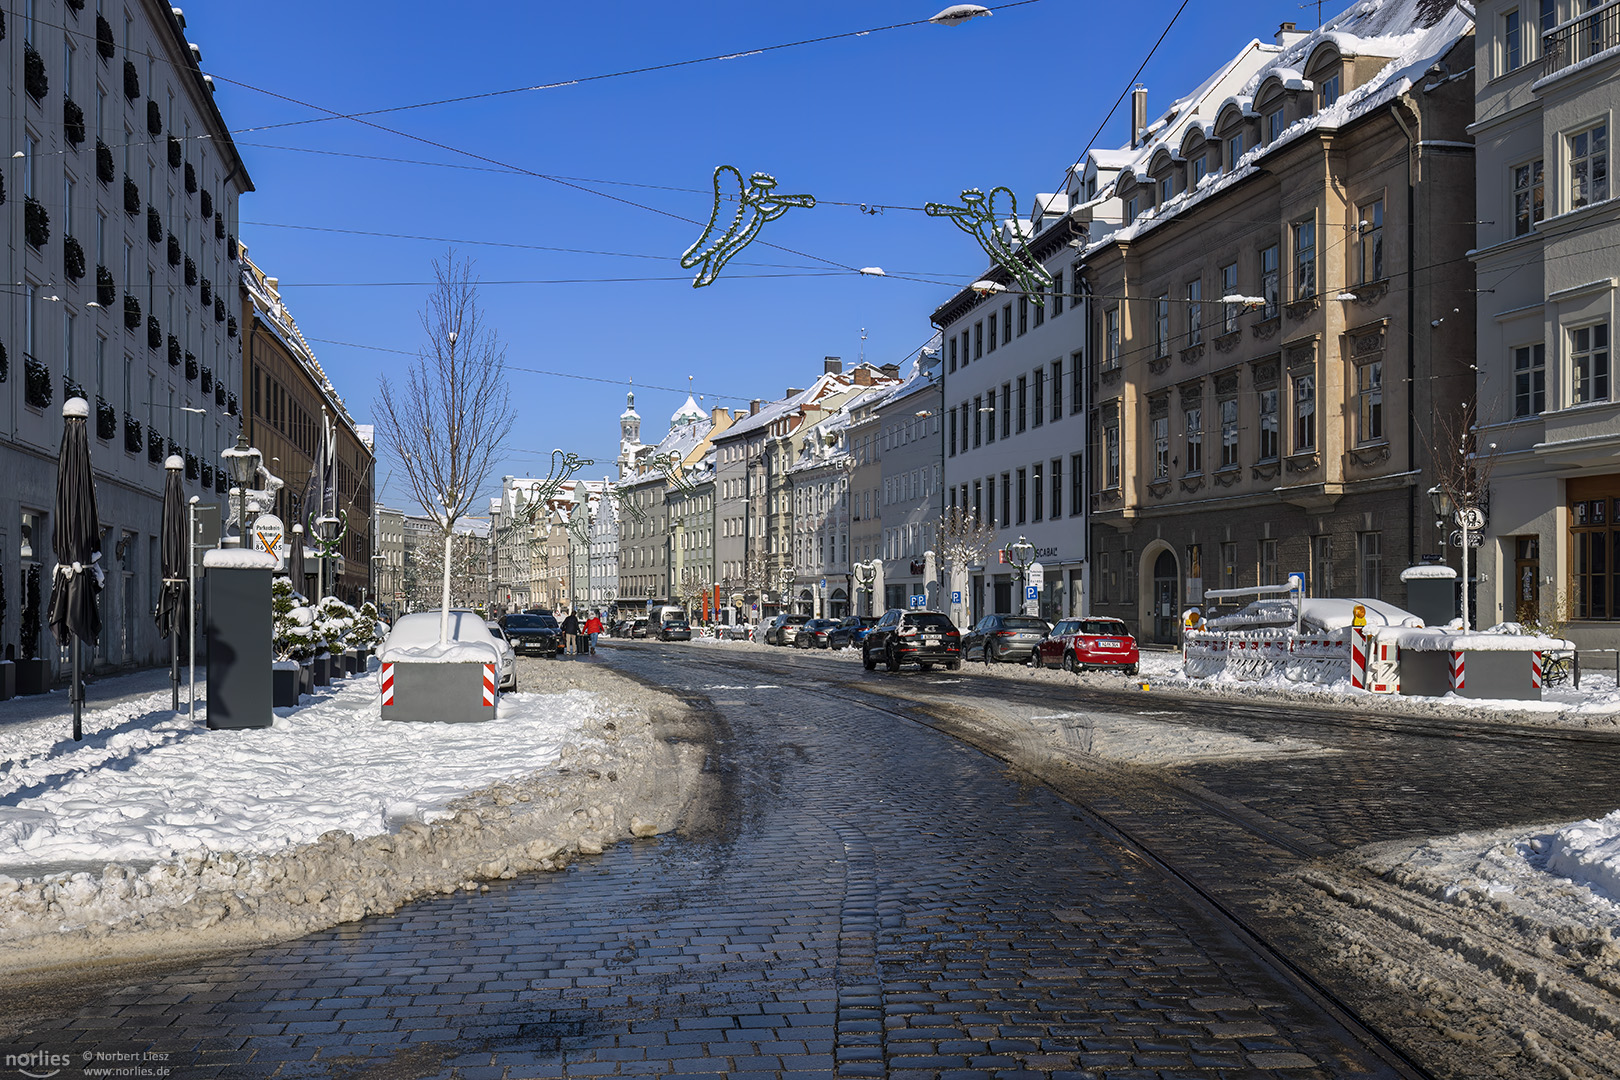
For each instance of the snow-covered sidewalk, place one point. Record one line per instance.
(155, 832)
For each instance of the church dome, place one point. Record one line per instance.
(689, 413)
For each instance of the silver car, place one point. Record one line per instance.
(508, 656)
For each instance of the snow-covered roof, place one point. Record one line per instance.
(273, 314)
(688, 413)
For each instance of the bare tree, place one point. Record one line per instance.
(964, 540)
(1462, 471)
(448, 420)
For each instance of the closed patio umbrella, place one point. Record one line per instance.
(175, 542)
(76, 585)
(295, 559)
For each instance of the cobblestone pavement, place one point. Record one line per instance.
(871, 898)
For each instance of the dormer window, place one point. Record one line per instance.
(1131, 208)
(1327, 91)
(1274, 124)
(1234, 149)
(1167, 188)
(1200, 167)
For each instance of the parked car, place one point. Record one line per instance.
(851, 631)
(736, 631)
(816, 634)
(784, 628)
(637, 628)
(675, 630)
(1004, 638)
(508, 656)
(533, 634)
(1086, 644)
(924, 638)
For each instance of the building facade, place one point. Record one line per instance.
(1547, 88)
(909, 499)
(388, 571)
(121, 212)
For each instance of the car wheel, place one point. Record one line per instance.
(892, 661)
(868, 661)
(1036, 660)
(953, 665)
(1069, 663)
(1130, 669)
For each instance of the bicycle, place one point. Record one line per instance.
(1557, 668)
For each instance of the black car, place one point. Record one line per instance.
(850, 631)
(1004, 638)
(532, 635)
(676, 630)
(924, 638)
(816, 634)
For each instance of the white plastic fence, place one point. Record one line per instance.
(1255, 655)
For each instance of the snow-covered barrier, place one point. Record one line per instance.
(424, 678)
(1264, 653)
(1501, 663)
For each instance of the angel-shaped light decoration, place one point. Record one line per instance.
(756, 204)
(563, 466)
(670, 465)
(981, 217)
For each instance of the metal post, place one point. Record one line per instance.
(191, 603)
(76, 691)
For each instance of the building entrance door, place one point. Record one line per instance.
(1165, 595)
(1527, 579)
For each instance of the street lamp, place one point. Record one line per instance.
(865, 575)
(1459, 510)
(787, 584)
(1021, 553)
(328, 532)
(242, 461)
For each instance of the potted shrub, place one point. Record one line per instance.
(191, 271)
(132, 197)
(106, 288)
(132, 435)
(104, 38)
(207, 292)
(191, 179)
(73, 121)
(176, 153)
(36, 383)
(72, 258)
(154, 118)
(291, 637)
(207, 205)
(132, 81)
(333, 621)
(36, 222)
(34, 79)
(154, 445)
(154, 332)
(366, 635)
(132, 311)
(106, 418)
(154, 225)
(33, 674)
(174, 250)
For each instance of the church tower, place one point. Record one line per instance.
(629, 438)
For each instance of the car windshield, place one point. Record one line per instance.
(797, 620)
(530, 622)
(1021, 623)
(1103, 627)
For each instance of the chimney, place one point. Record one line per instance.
(753, 407)
(794, 391)
(1138, 116)
(863, 376)
(832, 365)
(718, 415)
(1287, 34)
(891, 370)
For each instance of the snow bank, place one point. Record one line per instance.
(1506, 637)
(238, 559)
(415, 638)
(158, 837)
(1588, 853)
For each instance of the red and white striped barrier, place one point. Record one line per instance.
(1358, 658)
(489, 684)
(1535, 671)
(1458, 681)
(387, 677)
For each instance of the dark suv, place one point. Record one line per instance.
(924, 638)
(535, 635)
(1003, 638)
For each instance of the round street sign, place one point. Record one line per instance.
(267, 533)
(1470, 517)
(1474, 539)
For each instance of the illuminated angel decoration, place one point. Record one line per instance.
(564, 464)
(670, 465)
(981, 219)
(756, 204)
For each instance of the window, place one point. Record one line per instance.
(1040, 313)
(1369, 556)
(1370, 238)
(950, 355)
(1161, 448)
(1077, 376)
(967, 349)
(1022, 489)
(1195, 440)
(1229, 433)
(1057, 294)
(1006, 500)
(1161, 326)
(1023, 315)
(1370, 402)
(992, 333)
(1228, 565)
(1530, 380)
(1195, 311)
(951, 437)
(1304, 412)
(1304, 260)
(1057, 488)
(1006, 409)
(1270, 280)
(1327, 91)
(1057, 390)
(1006, 323)
(1102, 586)
(1023, 402)
(978, 340)
(1200, 168)
(1111, 339)
(1229, 287)
(990, 417)
(1130, 209)
(978, 493)
(1038, 405)
(978, 422)
(1322, 565)
(1589, 166)
(1234, 150)
(1167, 188)
(1037, 489)
(1529, 197)
(1274, 125)
(1111, 452)
(1512, 42)
(1589, 362)
(1268, 562)
(1077, 485)
(1268, 425)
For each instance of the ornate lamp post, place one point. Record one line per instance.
(787, 585)
(1021, 553)
(1460, 510)
(865, 575)
(328, 532)
(243, 463)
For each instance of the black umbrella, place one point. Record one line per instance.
(295, 559)
(176, 536)
(76, 585)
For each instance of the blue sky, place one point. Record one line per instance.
(350, 217)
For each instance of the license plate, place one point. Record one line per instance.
(1107, 644)
(930, 641)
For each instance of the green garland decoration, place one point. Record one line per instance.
(981, 217)
(757, 203)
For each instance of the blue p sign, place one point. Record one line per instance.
(956, 596)
(1032, 592)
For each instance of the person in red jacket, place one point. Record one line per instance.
(593, 626)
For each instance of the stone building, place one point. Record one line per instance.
(1280, 329)
(1547, 88)
(121, 209)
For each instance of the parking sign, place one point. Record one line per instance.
(956, 596)
(1032, 592)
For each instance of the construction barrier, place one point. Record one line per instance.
(1322, 657)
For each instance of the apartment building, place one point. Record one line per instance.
(1546, 94)
(1281, 329)
(908, 499)
(819, 485)
(121, 206)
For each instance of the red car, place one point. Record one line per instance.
(1086, 644)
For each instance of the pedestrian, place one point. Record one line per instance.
(570, 630)
(593, 626)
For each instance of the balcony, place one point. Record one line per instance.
(1580, 39)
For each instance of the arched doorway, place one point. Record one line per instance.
(838, 606)
(1166, 598)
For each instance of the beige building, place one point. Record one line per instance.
(1545, 78)
(1280, 320)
